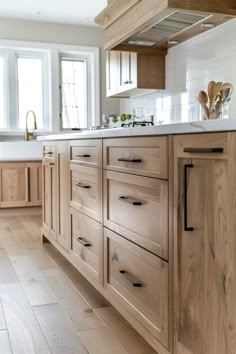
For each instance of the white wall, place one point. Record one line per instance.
(189, 67)
(64, 34)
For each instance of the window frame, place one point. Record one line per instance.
(51, 53)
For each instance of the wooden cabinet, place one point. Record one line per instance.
(20, 184)
(203, 260)
(130, 73)
(139, 280)
(50, 197)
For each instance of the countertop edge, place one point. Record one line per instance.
(166, 129)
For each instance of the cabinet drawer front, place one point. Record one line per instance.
(137, 208)
(85, 190)
(49, 151)
(86, 152)
(86, 244)
(139, 280)
(204, 146)
(140, 156)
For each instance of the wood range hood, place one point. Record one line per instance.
(160, 24)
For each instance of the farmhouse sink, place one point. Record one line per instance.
(20, 150)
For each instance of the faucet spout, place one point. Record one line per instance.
(27, 133)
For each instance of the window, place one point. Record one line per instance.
(59, 83)
(74, 93)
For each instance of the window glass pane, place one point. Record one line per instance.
(30, 90)
(73, 90)
(2, 100)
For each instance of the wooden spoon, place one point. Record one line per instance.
(203, 99)
(211, 84)
(216, 91)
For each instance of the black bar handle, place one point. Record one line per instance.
(130, 200)
(83, 242)
(82, 155)
(129, 277)
(186, 227)
(81, 185)
(123, 159)
(215, 150)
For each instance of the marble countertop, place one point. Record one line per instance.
(164, 129)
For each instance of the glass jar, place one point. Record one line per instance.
(216, 110)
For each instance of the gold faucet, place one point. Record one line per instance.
(27, 133)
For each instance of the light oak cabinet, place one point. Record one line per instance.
(20, 184)
(204, 244)
(130, 73)
(49, 176)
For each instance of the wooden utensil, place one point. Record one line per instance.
(203, 99)
(216, 91)
(211, 84)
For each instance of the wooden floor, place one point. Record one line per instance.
(46, 306)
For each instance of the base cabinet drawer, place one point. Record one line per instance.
(86, 245)
(85, 190)
(86, 152)
(138, 280)
(139, 156)
(137, 208)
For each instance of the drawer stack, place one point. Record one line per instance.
(85, 207)
(136, 228)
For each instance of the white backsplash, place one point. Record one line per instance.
(189, 68)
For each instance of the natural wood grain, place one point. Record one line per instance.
(59, 330)
(86, 200)
(123, 332)
(145, 224)
(152, 151)
(89, 147)
(32, 281)
(7, 272)
(100, 341)
(11, 244)
(41, 259)
(75, 306)
(89, 258)
(24, 331)
(5, 346)
(149, 302)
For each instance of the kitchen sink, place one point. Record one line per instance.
(20, 150)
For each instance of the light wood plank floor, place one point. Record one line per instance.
(46, 305)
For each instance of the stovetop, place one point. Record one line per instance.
(137, 124)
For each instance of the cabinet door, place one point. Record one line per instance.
(14, 185)
(49, 197)
(35, 183)
(62, 194)
(201, 257)
(128, 71)
(112, 71)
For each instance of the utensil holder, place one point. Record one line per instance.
(215, 110)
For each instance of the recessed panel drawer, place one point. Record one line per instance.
(85, 190)
(86, 152)
(140, 156)
(139, 281)
(86, 244)
(137, 208)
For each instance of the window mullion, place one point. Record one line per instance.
(12, 91)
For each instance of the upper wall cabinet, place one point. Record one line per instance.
(161, 24)
(130, 73)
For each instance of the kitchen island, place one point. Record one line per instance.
(147, 215)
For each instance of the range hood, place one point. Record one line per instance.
(161, 23)
(167, 27)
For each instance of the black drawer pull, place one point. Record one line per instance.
(82, 155)
(52, 164)
(123, 159)
(48, 153)
(129, 277)
(186, 227)
(130, 200)
(81, 185)
(83, 242)
(204, 150)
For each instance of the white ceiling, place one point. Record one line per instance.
(79, 12)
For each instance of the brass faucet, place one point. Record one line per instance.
(27, 133)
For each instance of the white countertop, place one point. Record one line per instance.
(164, 129)
(20, 151)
